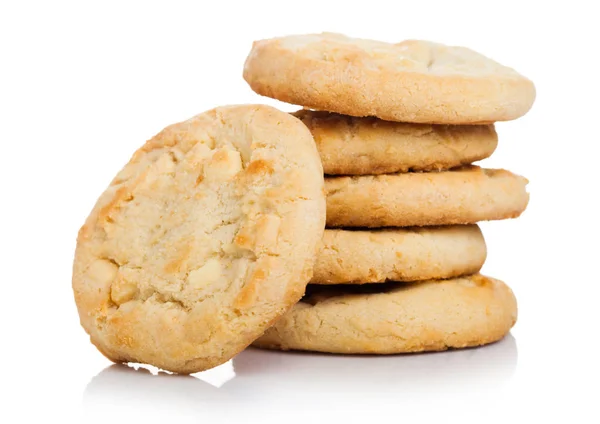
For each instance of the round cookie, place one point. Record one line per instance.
(202, 240)
(412, 81)
(399, 254)
(397, 318)
(369, 146)
(462, 196)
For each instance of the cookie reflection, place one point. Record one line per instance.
(462, 370)
(120, 389)
(292, 377)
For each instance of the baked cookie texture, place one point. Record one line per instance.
(202, 240)
(368, 146)
(412, 81)
(462, 196)
(399, 254)
(397, 318)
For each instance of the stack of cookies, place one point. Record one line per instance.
(397, 127)
(205, 241)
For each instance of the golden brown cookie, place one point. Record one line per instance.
(397, 317)
(202, 240)
(368, 146)
(399, 254)
(412, 81)
(462, 196)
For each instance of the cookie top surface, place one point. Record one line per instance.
(464, 195)
(412, 81)
(369, 146)
(398, 254)
(202, 240)
(397, 318)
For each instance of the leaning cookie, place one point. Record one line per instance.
(397, 318)
(398, 254)
(369, 146)
(203, 239)
(461, 196)
(412, 81)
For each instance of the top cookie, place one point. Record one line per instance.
(413, 81)
(202, 240)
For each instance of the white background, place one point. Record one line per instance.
(82, 86)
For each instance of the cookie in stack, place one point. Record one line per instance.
(397, 127)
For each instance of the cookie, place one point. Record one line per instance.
(463, 196)
(367, 146)
(399, 254)
(412, 81)
(202, 240)
(397, 318)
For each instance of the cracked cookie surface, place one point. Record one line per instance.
(369, 146)
(460, 196)
(396, 317)
(411, 81)
(398, 254)
(202, 240)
